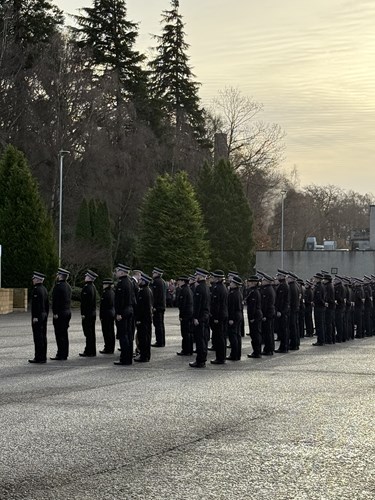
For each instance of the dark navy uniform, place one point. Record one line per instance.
(124, 301)
(282, 304)
(268, 295)
(143, 320)
(319, 311)
(61, 300)
(185, 306)
(219, 318)
(294, 340)
(359, 300)
(159, 291)
(107, 318)
(339, 311)
(254, 317)
(39, 315)
(308, 296)
(201, 315)
(88, 313)
(330, 313)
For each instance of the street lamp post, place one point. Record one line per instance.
(61, 158)
(283, 193)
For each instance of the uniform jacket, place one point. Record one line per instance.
(201, 302)
(39, 302)
(268, 296)
(107, 303)
(234, 305)
(124, 299)
(319, 295)
(254, 303)
(61, 298)
(330, 295)
(294, 295)
(219, 302)
(88, 300)
(282, 300)
(159, 290)
(185, 302)
(339, 296)
(143, 309)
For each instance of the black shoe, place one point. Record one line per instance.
(182, 353)
(317, 344)
(119, 349)
(294, 348)
(106, 352)
(156, 345)
(217, 362)
(194, 364)
(139, 359)
(229, 358)
(254, 355)
(36, 361)
(281, 351)
(266, 353)
(120, 363)
(211, 349)
(57, 358)
(84, 355)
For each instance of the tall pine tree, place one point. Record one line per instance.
(26, 231)
(106, 31)
(171, 233)
(227, 216)
(172, 80)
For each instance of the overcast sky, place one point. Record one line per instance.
(310, 62)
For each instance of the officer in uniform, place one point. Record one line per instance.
(39, 315)
(185, 307)
(124, 300)
(359, 305)
(367, 316)
(201, 316)
(254, 315)
(268, 296)
(340, 306)
(107, 316)
(330, 309)
(219, 316)
(235, 317)
(88, 314)
(294, 294)
(308, 295)
(159, 290)
(61, 303)
(319, 303)
(282, 305)
(143, 318)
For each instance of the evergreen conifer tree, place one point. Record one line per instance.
(26, 231)
(227, 216)
(106, 31)
(172, 235)
(171, 76)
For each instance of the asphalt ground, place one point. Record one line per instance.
(293, 426)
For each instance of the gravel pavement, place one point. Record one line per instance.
(293, 426)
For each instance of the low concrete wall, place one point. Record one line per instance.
(306, 263)
(6, 300)
(20, 299)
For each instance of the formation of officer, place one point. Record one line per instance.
(338, 308)
(39, 316)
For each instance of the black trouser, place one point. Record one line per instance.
(329, 326)
(268, 336)
(255, 328)
(283, 328)
(61, 325)
(201, 334)
(40, 339)
(144, 332)
(367, 321)
(158, 320)
(301, 322)
(186, 328)
(88, 326)
(309, 321)
(108, 329)
(358, 321)
(339, 324)
(293, 330)
(125, 335)
(218, 339)
(235, 339)
(242, 326)
(319, 317)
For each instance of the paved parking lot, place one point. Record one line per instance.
(295, 426)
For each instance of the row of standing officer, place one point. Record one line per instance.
(132, 306)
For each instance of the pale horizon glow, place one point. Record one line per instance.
(311, 64)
